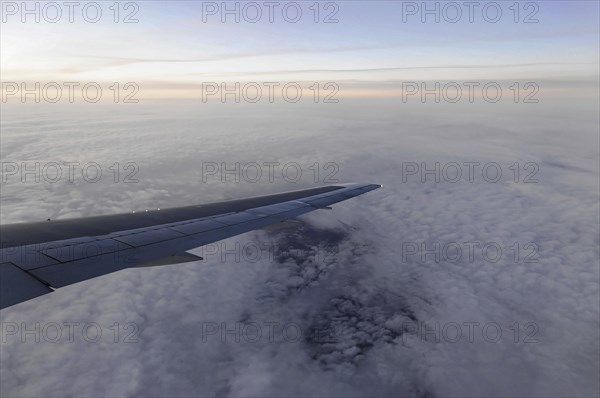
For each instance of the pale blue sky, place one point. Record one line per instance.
(172, 44)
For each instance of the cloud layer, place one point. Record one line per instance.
(353, 309)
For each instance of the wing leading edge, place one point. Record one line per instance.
(36, 258)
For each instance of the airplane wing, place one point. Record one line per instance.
(37, 258)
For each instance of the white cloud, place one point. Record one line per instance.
(362, 285)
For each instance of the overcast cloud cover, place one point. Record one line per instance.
(341, 274)
(343, 304)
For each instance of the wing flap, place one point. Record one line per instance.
(93, 248)
(195, 227)
(17, 285)
(149, 237)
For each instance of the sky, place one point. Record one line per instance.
(170, 48)
(374, 318)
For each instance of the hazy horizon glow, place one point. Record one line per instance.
(171, 47)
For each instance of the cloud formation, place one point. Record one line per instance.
(353, 310)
